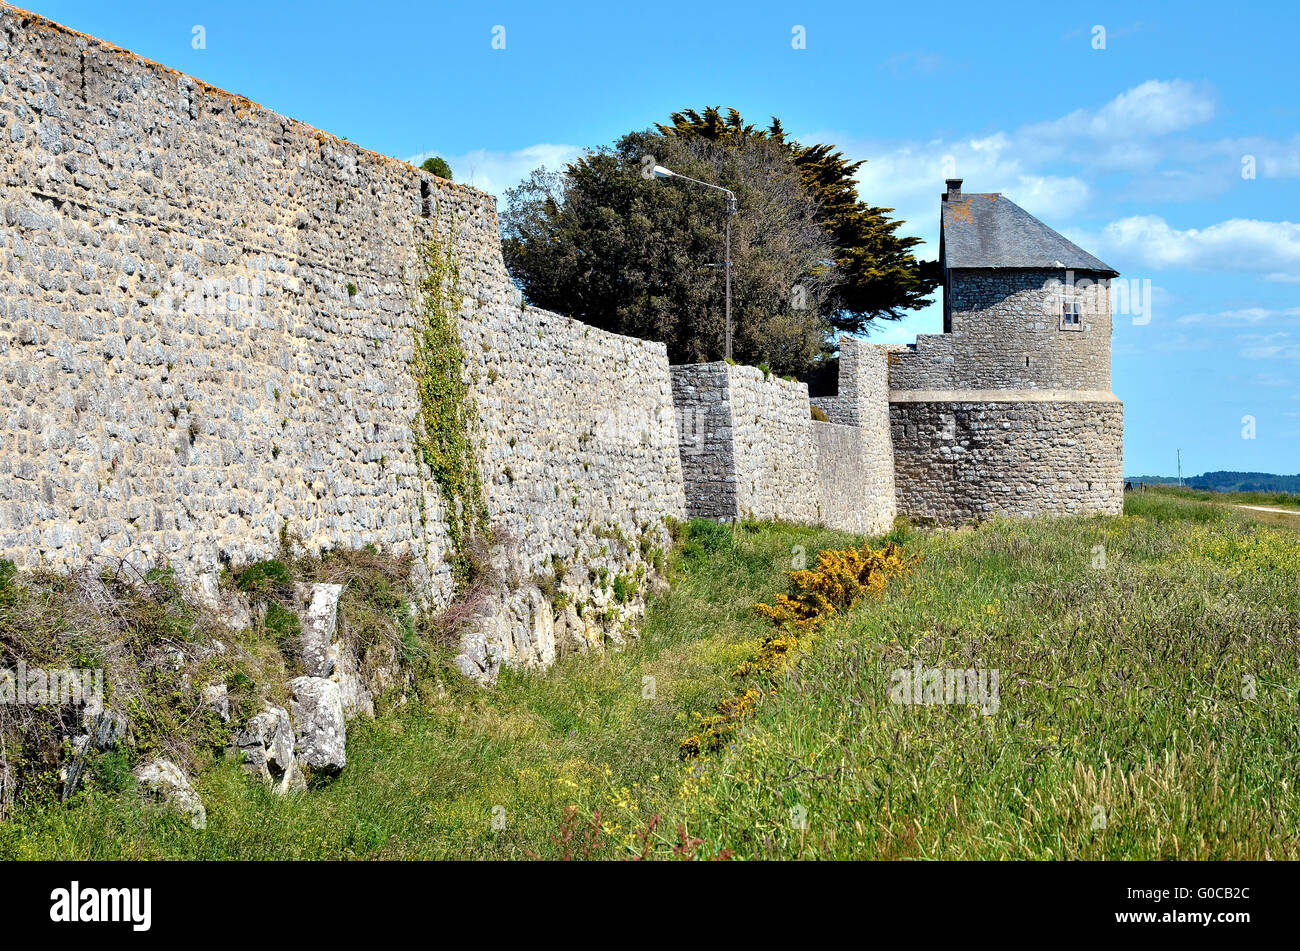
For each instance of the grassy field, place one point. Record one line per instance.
(1286, 500)
(1147, 708)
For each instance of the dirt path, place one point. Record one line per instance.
(1266, 508)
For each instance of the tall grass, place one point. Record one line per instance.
(428, 780)
(1278, 499)
(1149, 667)
(1147, 709)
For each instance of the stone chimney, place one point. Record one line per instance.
(954, 189)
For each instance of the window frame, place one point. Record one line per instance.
(1071, 307)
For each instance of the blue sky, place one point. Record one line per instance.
(1136, 151)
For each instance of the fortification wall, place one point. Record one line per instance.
(841, 483)
(866, 499)
(746, 444)
(957, 460)
(206, 329)
(580, 458)
(1006, 334)
(750, 448)
(702, 397)
(776, 469)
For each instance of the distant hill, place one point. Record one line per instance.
(1228, 481)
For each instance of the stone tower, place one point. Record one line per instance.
(1009, 410)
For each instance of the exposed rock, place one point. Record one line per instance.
(355, 694)
(232, 609)
(217, 699)
(571, 632)
(71, 769)
(319, 724)
(166, 782)
(324, 654)
(110, 728)
(319, 624)
(104, 728)
(268, 747)
(468, 668)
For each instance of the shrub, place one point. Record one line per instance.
(437, 165)
(705, 537)
(819, 414)
(7, 572)
(282, 624)
(839, 581)
(624, 588)
(267, 579)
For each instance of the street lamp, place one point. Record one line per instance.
(661, 172)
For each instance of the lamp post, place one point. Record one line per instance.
(661, 172)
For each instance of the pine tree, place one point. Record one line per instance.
(880, 277)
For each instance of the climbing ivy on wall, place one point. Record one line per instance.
(443, 428)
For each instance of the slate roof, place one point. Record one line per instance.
(990, 231)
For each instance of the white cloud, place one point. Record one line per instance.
(1277, 346)
(1123, 133)
(1274, 158)
(1271, 248)
(1244, 315)
(1051, 196)
(494, 172)
(1154, 108)
(912, 63)
(909, 179)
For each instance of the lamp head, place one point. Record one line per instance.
(661, 172)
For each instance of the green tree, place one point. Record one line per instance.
(880, 277)
(606, 242)
(437, 165)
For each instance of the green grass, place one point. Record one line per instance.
(1158, 691)
(1288, 500)
(1123, 697)
(423, 781)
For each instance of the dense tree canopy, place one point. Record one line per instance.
(879, 278)
(606, 242)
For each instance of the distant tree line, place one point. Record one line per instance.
(1225, 481)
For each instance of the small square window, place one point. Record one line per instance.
(1071, 315)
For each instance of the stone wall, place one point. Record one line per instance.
(958, 461)
(866, 499)
(203, 325)
(1011, 412)
(1006, 334)
(206, 329)
(750, 448)
(840, 483)
(702, 398)
(775, 465)
(580, 458)
(746, 443)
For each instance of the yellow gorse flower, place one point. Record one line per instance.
(839, 581)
